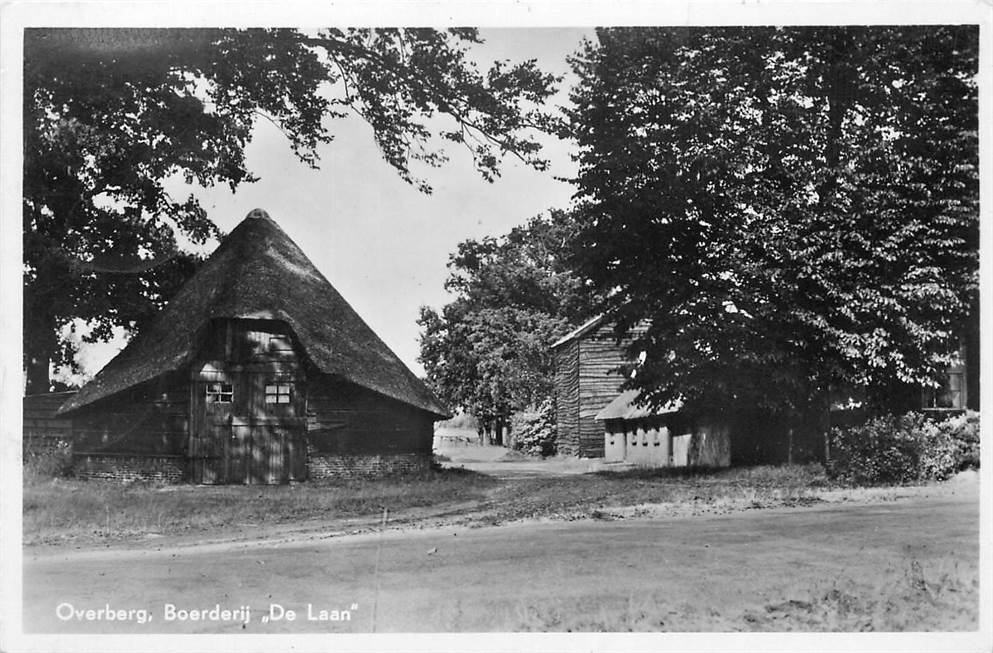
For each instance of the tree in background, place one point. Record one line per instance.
(487, 351)
(111, 114)
(794, 210)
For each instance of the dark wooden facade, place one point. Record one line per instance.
(45, 432)
(588, 376)
(346, 419)
(248, 404)
(567, 399)
(250, 410)
(40, 419)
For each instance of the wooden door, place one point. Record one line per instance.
(213, 412)
(279, 425)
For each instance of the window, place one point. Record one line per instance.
(950, 395)
(278, 393)
(280, 343)
(219, 393)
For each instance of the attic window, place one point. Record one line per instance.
(219, 393)
(279, 342)
(278, 394)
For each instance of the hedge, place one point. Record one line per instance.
(904, 449)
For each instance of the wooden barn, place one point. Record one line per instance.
(595, 419)
(587, 377)
(257, 372)
(661, 437)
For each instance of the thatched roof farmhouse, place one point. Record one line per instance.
(257, 371)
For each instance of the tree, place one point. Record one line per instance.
(110, 115)
(487, 352)
(793, 210)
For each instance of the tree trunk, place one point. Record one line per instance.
(40, 343)
(40, 335)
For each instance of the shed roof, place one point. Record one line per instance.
(258, 272)
(625, 406)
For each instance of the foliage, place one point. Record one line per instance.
(963, 429)
(487, 351)
(794, 210)
(54, 462)
(904, 449)
(534, 430)
(112, 115)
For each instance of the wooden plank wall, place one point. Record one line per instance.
(343, 418)
(40, 420)
(600, 356)
(150, 419)
(248, 440)
(567, 399)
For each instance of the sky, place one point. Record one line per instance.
(383, 244)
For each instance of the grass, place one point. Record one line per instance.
(910, 596)
(599, 495)
(68, 511)
(62, 510)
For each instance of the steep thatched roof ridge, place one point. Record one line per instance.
(258, 272)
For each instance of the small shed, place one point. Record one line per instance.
(588, 376)
(257, 372)
(661, 437)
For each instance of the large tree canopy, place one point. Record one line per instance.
(110, 115)
(487, 351)
(793, 210)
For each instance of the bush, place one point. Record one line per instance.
(904, 449)
(54, 462)
(534, 431)
(964, 431)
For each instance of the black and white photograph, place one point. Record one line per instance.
(496, 326)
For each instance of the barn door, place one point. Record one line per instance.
(249, 429)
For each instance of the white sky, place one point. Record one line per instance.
(380, 242)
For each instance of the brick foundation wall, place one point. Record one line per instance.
(126, 469)
(321, 466)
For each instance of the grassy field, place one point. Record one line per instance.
(906, 596)
(609, 495)
(926, 584)
(69, 511)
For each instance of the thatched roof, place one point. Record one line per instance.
(259, 273)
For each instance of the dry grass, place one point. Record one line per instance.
(73, 511)
(59, 510)
(905, 597)
(605, 495)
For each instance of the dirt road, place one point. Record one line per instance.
(506, 578)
